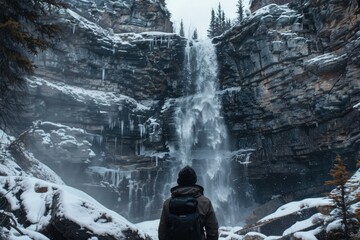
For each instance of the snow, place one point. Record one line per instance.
(325, 58)
(74, 205)
(9, 167)
(300, 225)
(82, 95)
(293, 207)
(150, 227)
(334, 225)
(273, 8)
(357, 106)
(310, 235)
(226, 233)
(118, 39)
(5, 139)
(69, 142)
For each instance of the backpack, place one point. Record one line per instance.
(184, 219)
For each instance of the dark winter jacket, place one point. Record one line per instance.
(205, 209)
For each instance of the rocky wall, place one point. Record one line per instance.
(94, 104)
(296, 72)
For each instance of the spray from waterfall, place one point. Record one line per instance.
(202, 135)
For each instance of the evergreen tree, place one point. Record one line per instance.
(181, 33)
(195, 34)
(218, 23)
(228, 24)
(222, 23)
(240, 11)
(212, 27)
(340, 196)
(25, 30)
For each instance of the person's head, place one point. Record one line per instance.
(187, 176)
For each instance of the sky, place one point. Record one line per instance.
(197, 14)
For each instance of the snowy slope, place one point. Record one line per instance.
(35, 196)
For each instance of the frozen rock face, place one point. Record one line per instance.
(98, 96)
(257, 4)
(139, 65)
(297, 70)
(45, 210)
(126, 15)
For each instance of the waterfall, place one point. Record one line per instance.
(201, 141)
(202, 135)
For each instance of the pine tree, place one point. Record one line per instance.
(181, 33)
(228, 24)
(195, 35)
(240, 11)
(212, 27)
(218, 23)
(222, 23)
(219, 18)
(340, 176)
(25, 30)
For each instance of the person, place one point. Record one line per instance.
(187, 186)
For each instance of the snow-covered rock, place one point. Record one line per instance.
(54, 211)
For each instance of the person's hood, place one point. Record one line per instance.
(195, 191)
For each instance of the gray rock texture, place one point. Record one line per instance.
(105, 82)
(298, 69)
(290, 88)
(125, 15)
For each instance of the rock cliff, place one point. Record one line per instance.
(289, 86)
(94, 103)
(298, 69)
(125, 15)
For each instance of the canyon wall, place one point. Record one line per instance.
(297, 68)
(101, 104)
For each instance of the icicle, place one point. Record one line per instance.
(142, 130)
(139, 148)
(168, 41)
(74, 28)
(131, 123)
(113, 177)
(101, 139)
(118, 179)
(109, 122)
(103, 74)
(122, 128)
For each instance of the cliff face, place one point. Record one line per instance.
(96, 100)
(298, 70)
(290, 96)
(141, 65)
(125, 15)
(257, 4)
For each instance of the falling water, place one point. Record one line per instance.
(202, 135)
